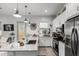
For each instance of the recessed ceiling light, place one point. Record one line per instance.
(46, 11)
(14, 9)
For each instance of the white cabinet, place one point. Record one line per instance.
(72, 9)
(61, 48)
(44, 25)
(44, 34)
(46, 41)
(3, 53)
(58, 21)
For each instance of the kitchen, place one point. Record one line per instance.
(26, 31)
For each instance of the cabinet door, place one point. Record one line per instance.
(72, 9)
(61, 49)
(45, 41)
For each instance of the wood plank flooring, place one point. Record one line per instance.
(45, 51)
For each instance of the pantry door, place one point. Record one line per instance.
(21, 29)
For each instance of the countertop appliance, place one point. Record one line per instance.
(71, 30)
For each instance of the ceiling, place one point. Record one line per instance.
(34, 8)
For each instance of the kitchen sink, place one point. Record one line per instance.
(31, 42)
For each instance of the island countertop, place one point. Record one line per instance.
(27, 47)
(31, 47)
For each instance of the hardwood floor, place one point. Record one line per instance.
(45, 51)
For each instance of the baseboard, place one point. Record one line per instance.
(44, 47)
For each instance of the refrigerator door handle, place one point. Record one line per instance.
(74, 43)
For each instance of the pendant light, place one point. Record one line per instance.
(16, 14)
(29, 20)
(26, 20)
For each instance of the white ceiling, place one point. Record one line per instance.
(34, 8)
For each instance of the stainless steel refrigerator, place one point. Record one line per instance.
(71, 30)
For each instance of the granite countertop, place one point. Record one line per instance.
(27, 47)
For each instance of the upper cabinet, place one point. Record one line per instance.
(59, 20)
(71, 10)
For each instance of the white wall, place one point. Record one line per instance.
(12, 20)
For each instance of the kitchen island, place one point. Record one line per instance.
(30, 49)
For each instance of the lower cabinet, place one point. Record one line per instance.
(19, 53)
(3, 53)
(61, 48)
(45, 41)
